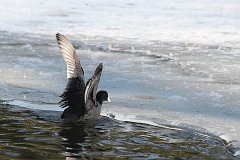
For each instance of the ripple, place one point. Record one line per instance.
(24, 136)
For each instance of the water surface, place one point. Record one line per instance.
(27, 134)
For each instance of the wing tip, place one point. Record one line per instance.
(59, 37)
(99, 69)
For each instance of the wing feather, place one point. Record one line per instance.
(74, 68)
(73, 95)
(91, 88)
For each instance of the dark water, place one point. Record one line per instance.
(26, 134)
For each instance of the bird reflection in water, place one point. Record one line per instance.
(81, 140)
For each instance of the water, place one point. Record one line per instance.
(165, 62)
(38, 138)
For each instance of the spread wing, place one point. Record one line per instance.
(73, 98)
(91, 88)
(73, 95)
(74, 68)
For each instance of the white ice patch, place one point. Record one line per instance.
(237, 153)
(36, 105)
(192, 21)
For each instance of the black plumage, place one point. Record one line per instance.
(79, 99)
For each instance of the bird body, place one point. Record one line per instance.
(82, 101)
